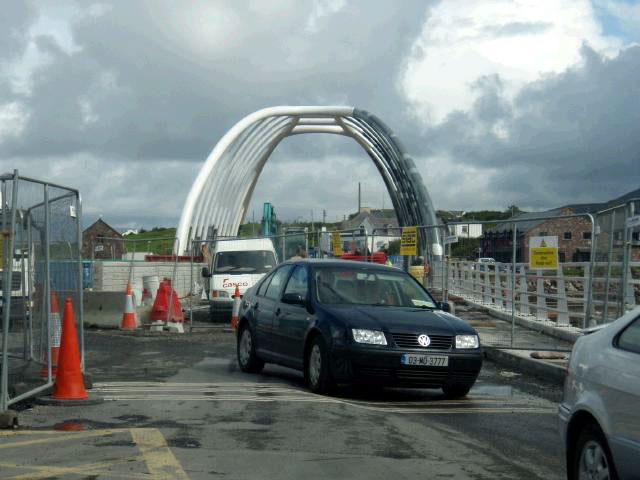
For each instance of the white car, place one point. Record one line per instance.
(600, 413)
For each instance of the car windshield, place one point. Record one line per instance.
(244, 261)
(348, 286)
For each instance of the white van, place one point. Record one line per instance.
(238, 263)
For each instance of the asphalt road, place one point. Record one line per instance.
(178, 407)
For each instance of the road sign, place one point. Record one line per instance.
(409, 241)
(451, 239)
(633, 221)
(543, 253)
(337, 244)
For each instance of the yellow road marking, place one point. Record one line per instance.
(161, 462)
(91, 433)
(47, 471)
(154, 452)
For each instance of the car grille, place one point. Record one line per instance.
(410, 340)
(424, 376)
(375, 372)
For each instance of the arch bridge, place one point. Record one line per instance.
(222, 190)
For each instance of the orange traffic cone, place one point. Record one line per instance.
(69, 383)
(56, 330)
(235, 311)
(129, 315)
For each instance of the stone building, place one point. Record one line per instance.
(574, 234)
(104, 240)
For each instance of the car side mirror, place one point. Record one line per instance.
(444, 306)
(294, 299)
(205, 272)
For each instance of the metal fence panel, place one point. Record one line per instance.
(41, 237)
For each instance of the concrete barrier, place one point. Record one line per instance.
(104, 309)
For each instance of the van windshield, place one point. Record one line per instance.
(244, 261)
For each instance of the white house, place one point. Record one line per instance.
(471, 230)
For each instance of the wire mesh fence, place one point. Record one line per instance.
(41, 268)
(543, 277)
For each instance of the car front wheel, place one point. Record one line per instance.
(591, 457)
(247, 358)
(317, 371)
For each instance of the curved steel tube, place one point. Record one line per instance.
(222, 190)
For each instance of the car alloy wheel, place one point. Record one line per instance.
(593, 462)
(317, 371)
(246, 345)
(315, 365)
(247, 358)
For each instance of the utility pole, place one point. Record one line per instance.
(324, 217)
(312, 220)
(359, 198)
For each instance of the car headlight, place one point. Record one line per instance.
(467, 341)
(373, 337)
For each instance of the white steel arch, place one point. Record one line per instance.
(220, 195)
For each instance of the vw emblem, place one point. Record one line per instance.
(424, 340)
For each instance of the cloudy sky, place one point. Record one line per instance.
(527, 102)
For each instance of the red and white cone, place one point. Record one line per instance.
(235, 311)
(129, 315)
(56, 333)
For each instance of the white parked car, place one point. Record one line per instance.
(600, 413)
(237, 263)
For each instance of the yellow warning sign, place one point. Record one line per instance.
(543, 253)
(409, 241)
(337, 244)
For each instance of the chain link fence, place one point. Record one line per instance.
(41, 268)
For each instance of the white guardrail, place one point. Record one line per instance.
(559, 296)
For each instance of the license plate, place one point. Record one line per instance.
(424, 360)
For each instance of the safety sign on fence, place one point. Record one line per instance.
(543, 253)
(409, 241)
(337, 244)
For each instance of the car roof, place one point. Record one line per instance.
(334, 262)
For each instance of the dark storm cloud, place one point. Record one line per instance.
(138, 86)
(567, 138)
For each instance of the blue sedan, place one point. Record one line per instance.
(353, 322)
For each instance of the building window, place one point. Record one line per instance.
(465, 229)
(561, 257)
(567, 235)
(636, 236)
(542, 234)
(586, 235)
